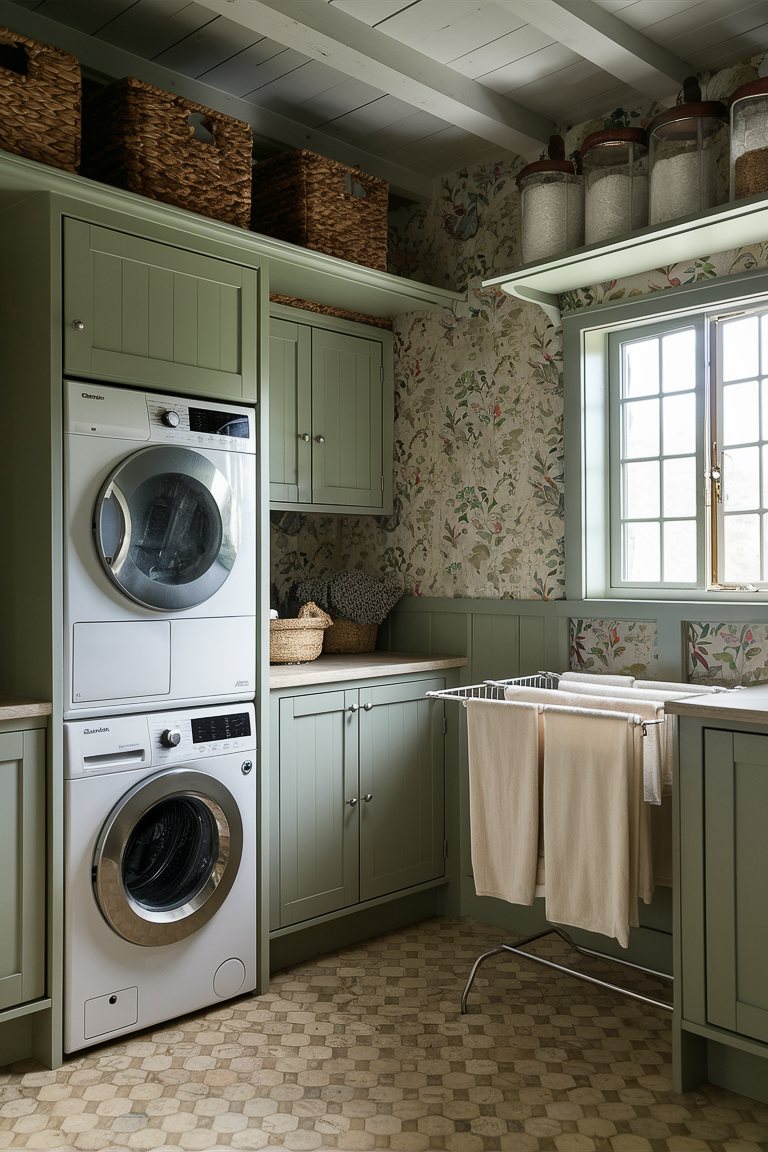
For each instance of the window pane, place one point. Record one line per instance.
(641, 429)
(742, 549)
(764, 397)
(764, 336)
(679, 415)
(641, 490)
(741, 413)
(680, 551)
(765, 476)
(641, 552)
(741, 479)
(641, 368)
(740, 345)
(680, 487)
(678, 361)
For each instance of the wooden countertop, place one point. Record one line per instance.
(748, 705)
(358, 666)
(16, 707)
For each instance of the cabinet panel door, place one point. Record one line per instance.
(736, 810)
(290, 411)
(318, 828)
(347, 399)
(157, 315)
(402, 769)
(22, 859)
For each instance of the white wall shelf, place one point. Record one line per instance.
(716, 230)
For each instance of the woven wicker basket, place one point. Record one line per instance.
(39, 101)
(346, 636)
(298, 641)
(140, 138)
(313, 201)
(329, 310)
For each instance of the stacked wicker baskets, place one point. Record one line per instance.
(321, 204)
(298, 641)
(141, 139)
(40, 101)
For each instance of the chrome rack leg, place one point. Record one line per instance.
(495, 952)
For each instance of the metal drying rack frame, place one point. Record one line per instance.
(494, 690)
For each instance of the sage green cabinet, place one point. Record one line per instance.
(22, 863)
(360, 794)
(147, 313)
(331, 417)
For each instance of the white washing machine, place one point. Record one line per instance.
(160, 875)
(159, 551)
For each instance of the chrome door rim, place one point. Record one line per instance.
(122, 482)
(147, 927)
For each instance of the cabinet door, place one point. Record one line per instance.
(402, 770)
(22, 859)
(156, 315)
(347, 399)
(290, 412)
(736, 881)
(318, 827)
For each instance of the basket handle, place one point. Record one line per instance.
(310, 611)
(353, 187)
(14, 57)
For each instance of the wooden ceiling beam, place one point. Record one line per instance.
(607, 41)
(322, 31)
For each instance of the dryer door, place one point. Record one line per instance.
(166, 526)
(167, 856)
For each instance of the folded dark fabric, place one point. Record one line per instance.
(353, 595)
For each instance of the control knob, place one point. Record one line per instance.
(171, 419)
(171, 738)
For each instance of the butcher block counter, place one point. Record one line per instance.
(358, 666)
(743, 705)
(18, 707)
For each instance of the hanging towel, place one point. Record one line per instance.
(623, 681)
(653, 747)
(670, 686)
(588, 794)
(503, 744)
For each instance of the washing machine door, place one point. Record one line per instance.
(167, 856)
(165, 526)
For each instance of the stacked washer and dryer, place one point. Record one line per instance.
(160, 736)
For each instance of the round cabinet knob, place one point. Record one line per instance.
(171, 738)
(367, 707)
(320, 439)
(304, 436)
(171, 419)
(368, 797)
(353, 707)
(352, 802)
(78, 325)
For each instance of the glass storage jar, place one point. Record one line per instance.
(749, 139)
(685, 145)
(551, 208)
(615, 164)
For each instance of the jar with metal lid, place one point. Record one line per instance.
(552, 209)
(685, 145)
(615, 164)
(749, 139)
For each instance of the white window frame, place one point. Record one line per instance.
(587, 430)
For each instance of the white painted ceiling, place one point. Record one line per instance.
(409, 89)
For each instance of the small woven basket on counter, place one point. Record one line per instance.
(318, 203)
(39, 101)
(346, 636)
(298, 641)
(141, 139)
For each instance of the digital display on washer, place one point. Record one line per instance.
(208, 729)
(218, 423)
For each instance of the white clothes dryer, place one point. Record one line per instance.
(160, 872)
(159, 551)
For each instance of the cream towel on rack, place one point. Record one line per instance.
(581, 677)
(670, 686)
(503, 742)
(589, 776)
(654, 745)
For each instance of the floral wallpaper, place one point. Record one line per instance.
(623, 647)
(727, 654)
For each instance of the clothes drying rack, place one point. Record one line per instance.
(494, 690)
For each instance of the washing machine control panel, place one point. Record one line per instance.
(199, 424)
(194, 733)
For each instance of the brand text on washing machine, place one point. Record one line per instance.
(90, 396)
(94, 731)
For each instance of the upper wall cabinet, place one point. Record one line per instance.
(331, 418)
(136, 311)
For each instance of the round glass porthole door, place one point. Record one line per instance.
(167, 857)
(165, 527)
